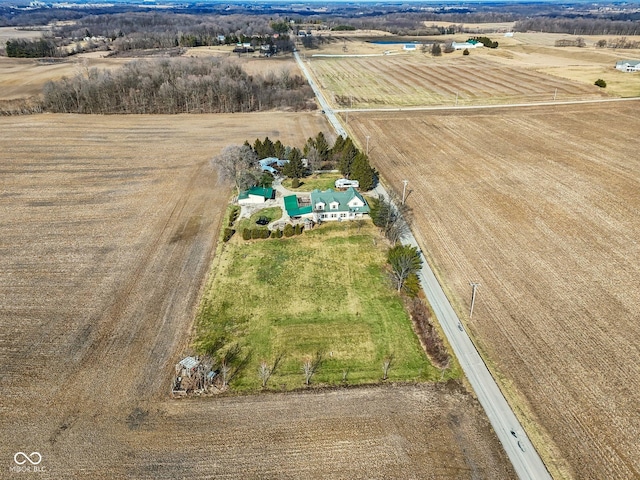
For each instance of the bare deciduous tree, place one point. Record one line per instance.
(310, 366)
(392, 217)
(237, 164)
(265, 371)
(386, 366)
(404, 260)
(225, 370)
(314, 159)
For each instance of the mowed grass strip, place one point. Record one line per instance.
(325, 291)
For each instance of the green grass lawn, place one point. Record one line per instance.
(272, 213)
(321, 181)
(322, 291)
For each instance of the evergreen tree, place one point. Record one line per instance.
(267, 148)
(346, 157)
(338, 144)
(295, 168)
(322, 146)
(362, 171)
(257, 147)
(278, 149)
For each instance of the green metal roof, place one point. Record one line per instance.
(257, 191)
(292, 208)
(341, 198)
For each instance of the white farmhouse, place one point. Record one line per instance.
(332, 205)
(628, 65)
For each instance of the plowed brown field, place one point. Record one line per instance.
(541, 206)
(420, 80)
(108, 227)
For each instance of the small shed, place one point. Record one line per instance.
(256, 195)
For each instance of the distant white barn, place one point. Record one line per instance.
(465, 45)
(628, 65)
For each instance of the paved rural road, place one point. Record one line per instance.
(523, 456)
(328, 111)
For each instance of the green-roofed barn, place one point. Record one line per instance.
(332, 205)
(255, 195)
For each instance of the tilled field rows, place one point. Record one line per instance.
(541, 209)
(416, 80)
(425, 431)
(108, 226)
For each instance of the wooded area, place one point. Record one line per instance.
(177, 85)
(578, 26)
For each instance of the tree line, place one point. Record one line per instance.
(177, 85)
(578, 26)
(23, 48)
(239, 163)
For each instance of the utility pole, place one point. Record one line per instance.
(456, 98)
(404, 190)
(368, 136)
(555, 94)
(473, 297)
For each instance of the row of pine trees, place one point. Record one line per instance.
(343, 155)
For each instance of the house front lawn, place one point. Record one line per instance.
(323, 291)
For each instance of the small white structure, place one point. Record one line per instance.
(410, 47)
(462, 46)
(628, 65)
(346, 183)
(255, 195)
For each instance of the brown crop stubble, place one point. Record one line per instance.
(540, 206)
(108, 228)
(418, 80)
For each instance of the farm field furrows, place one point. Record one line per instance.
(419, 80)
(540, 206)
(109, 224)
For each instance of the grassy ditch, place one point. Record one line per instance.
(324, 291)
